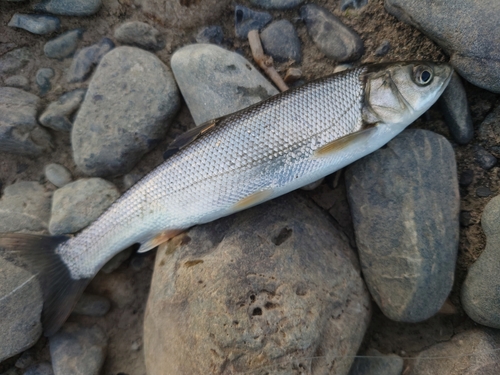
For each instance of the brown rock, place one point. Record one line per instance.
(270, 289)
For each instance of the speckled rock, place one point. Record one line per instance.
(481, 289)
(86, 58)
(276, 4)
(455, 109)
(112, 131)
(484, 158)
(246, 19)
(92, 305)
(474, 51)
(43, 77)
(24, 206)
(12, 61)
(43, 368)
(69, 7)
(77, 204)
(210, 34)
(35, 23)
(20, 309)
(330, 35)
(20, 82)
(372, 362)
(281, 42)
(282, 289)
(78, 350)
(57, 115)
(410, 187)
(57, 174)
(215, 82)
(140, 34)
(64, 45)
(455, 359)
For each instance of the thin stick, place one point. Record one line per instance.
(264, 61)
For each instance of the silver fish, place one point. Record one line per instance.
(235, 162)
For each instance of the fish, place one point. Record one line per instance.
(233, 163)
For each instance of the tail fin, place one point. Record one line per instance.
(60, 290)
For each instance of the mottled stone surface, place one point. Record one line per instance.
(405, 204)
(280, 40)
(86, 58)
(281, 290)
(215, 82)
(69, 7)
(481, 289)
(140, 34)
(14, 60)
(112, 131)
(58, 114)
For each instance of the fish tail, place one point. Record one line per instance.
(38, 255)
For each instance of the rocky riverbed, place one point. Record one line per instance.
(394, 259)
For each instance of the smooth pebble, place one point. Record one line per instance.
(383, 49)
(13, 61)
(58, 114)
(246, 19)
(21, 82)
(281, 42)
(42, 78)
(139, 34)
(64, 45)
(483, 191)
(35, 23)
(69, 7)
(86, 58)
(484, 158)
(57, 174)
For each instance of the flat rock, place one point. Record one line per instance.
(92, 305)
(473, 352)
(13, 61)
(25, 206)
(281, 42)
(18, 126)
(139, 34)
(474, 51)
(455, 108)
(69, 7)
(77, 204)
(20, 309)
(86, 58)
(19, 81)
(112, 130)
(246, 19)
(64, 45)
(282, 289)
(215, 82)
(57, 115)
(481, 288)
(276, 4)
(330, 35)
(57, 174)
(375, 363)
(405, 205)
(35, 23)
(78, 350)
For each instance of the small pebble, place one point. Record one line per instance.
(43, 77)
(465, 218)
(20, 82)
(246, 19)
(137, 263)
(355, 4)
(136, 345)
(43, 368)
(210, 34)
(64, 45)
(483, 192)
(57, 174)
(57, 114)
(281, 42)
(25, 360)
(35, 23)
(383, 49)
(69, 7)
(466, 178)
(86, 59)
(92, 305)
(292, 75)
(139, 34)
(484, 158)
(277, 4)
(15, 60)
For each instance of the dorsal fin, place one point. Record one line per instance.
(189, 137)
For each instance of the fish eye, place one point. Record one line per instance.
(422, 75)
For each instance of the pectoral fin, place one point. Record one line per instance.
(253, 199)
(159, 239)
(344, 142)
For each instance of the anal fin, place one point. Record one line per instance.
(159, 239)
(344, 142)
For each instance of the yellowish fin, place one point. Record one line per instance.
(159, 239)
(344, 142)
(252, 199)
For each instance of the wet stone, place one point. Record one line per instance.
(43, 77)
(483, 191)
(86, 58)
(139, 34)
(210, 34)
(12, 61)
(77, 204)
(276, 4)
(246, 19)
(466, 178)
(215, 82)
(64, 45)
(354, 4)
(372, 362)
(92, 305)
(35, 23)
(455, 108)
(69, 7)
(20, 82)
(409, 270)
(383, 49)
(281, 42)
(330, 35)
(43, 368)
(57, 115)
(76, 349)
(484, 158)
(57, 174)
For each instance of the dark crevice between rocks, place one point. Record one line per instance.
(282, 236)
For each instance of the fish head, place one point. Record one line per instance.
(396, 94)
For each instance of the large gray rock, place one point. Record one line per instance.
(270, 287)
(18, 126)
(127, 109)
(405, 204)
(24, 206)
(467, 30)
(215, 82)
(20, 309)
(473, 352)
(481, 289)
(77, 204)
